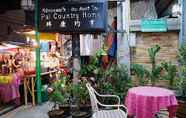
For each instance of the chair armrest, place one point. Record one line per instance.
(111, 96)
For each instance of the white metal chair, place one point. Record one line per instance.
(163, 113)
(98, 113)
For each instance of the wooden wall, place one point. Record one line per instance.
(168, 42)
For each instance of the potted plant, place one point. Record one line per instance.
(181, 98)
(154, 74)
(116, 80)
(59, 95)
(182, 85)
(65, 105)
(141, 74)
(182, 56)
(121, 80)
(80, 96)
(56, 97)
(91, 69)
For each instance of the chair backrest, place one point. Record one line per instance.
(93, 99)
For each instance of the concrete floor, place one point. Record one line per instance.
(35, 112)
(29, 112)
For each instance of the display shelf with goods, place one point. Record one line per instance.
(17, 68)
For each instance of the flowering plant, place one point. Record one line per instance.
(58, 91)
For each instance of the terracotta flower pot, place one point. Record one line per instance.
(80, 114)
(66, 109)
(181, 110)
(56, 113)
(83, 112)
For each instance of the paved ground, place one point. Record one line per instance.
(29, 112)
(34, 112)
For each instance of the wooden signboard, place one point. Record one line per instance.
(153, 25)
(73, 17)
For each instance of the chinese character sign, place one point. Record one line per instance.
(73, 17)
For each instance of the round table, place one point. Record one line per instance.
(144, 102)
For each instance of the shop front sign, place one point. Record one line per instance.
(73, 17)
(153, 25)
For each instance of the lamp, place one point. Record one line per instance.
(27, 4)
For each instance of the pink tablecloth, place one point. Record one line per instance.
(144, 102)
(10, 92)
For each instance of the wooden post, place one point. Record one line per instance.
(182, 34)
(25, 91)
(184, 19)
(33, 91)
(123, 18)
(76, 56)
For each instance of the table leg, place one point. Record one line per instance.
(33, 92)
(25, 91)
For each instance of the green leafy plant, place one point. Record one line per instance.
(156, 69)
(59, 91)
(154, 73)
(116, 80)
(93, 68)
(170, 73)
(141, 72)
(152, 51)
(182, 54)
(121, 80)
(55, 94)
(87, 70)
(182, 57)
(80, 93)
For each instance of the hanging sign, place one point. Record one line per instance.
(73, 17)
(153, 25)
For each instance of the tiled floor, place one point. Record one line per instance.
(34, 112)
(29, 112)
